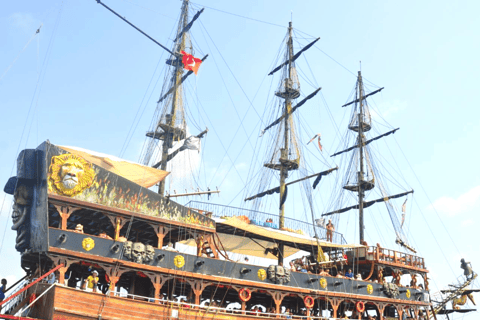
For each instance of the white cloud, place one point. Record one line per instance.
(24, 21)
(451, 206)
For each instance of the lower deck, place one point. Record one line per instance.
(60, 302)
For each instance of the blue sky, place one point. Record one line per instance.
(84, 79)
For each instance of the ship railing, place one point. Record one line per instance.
(13, 303)
(388, 255)
(265, 219)
(182, 305)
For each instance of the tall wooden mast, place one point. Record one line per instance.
(169, 135)
(284, 151)
(360, 139)
(362, 178)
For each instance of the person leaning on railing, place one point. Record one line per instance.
(3, 288)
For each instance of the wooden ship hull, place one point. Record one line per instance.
(125, 230)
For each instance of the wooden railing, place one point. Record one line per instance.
(387, 255)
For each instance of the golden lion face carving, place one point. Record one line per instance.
(69, 175)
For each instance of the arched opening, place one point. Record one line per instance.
(391, 312)
(293, 305)
(220, 296)
(93, 222)
(371, 309)
(347, 308)
(177, 290)
(410, 313)
(77, 276)
(322, 308)
(261, 302)
(140, 231)
(136, 285)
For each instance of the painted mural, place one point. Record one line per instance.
(72, 176)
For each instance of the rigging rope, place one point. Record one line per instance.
(18, 55)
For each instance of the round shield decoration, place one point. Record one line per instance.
(88, 244)
(179, 261)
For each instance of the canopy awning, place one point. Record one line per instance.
(135, 172)
(246, 246)
(247, 238)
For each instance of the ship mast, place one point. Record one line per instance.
(360, 143)
(284, 151)
(286, 155)
(171, 126)
(169, 129)
(364, 174)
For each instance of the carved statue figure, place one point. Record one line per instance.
(467, 269)
(413, 282)
(398, 276)
(150, 253)
(200, 242)
(425, 281)
(138, 252)
(462, 300)
(127, 249)
(20, 216)
(278, 274)
(69, 175)
(380, 278)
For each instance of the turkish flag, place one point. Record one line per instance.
(190, 62)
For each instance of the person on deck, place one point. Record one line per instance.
(349, 274)
(103, 234)
(330, 229)
(170, 247)
(325, 273)
(3, 288)
(92, 281)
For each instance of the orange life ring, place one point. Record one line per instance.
(360, 306)
(244, 294)
(309, 301)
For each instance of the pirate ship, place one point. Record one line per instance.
(77, 211)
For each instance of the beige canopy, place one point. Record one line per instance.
(248, 239)
(246, 246)
(135, 172)
(280, 235)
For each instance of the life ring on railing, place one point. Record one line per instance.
(244, 294)
(309, 301)
(360, 306)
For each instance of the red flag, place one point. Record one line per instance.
(190, 62)
(319, 144)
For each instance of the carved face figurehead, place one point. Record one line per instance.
(70, 172)
(150, 253)
(127, 249)
(69, 175)
(20, 205)
(138, 252)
